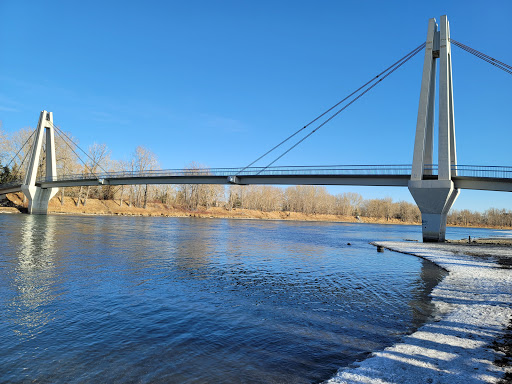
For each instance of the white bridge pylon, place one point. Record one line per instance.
(38, 198)
(435, 196)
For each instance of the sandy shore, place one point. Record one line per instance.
(474, 308)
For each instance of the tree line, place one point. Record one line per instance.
(309, 200)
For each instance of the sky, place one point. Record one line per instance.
(221, 82)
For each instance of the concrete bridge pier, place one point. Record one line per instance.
(434, 199)
(38, 198)
(435, 195)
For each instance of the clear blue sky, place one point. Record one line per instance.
(220, 82)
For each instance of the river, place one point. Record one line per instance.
(184, 300)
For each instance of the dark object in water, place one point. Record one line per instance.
(380, 248)
(349, 244)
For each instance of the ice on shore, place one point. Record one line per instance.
(474, 307)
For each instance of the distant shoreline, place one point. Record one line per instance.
(113, 208)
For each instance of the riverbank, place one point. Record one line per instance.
(469, 340)
(117, 208)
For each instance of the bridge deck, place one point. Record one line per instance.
(461, 182)
(469, 177)
(10, 188)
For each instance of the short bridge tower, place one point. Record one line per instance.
(435, 195)
(38, 198)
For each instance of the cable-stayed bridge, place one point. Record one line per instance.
(434, 187)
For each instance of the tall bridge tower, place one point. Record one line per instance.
(435, 195)
(38, 198)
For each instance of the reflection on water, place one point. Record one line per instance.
(88, 299)
(34, 278)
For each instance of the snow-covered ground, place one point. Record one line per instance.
(474, 304)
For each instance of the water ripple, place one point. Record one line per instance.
(90, 299)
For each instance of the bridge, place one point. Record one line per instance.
(434, 187)
(487, 178)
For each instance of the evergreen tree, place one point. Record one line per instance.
(6, 174)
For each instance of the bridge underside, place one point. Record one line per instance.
(10, 189)
(363, 180)
(460, 182)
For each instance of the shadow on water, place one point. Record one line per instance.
(189, 301)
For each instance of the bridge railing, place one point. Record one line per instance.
(488, 171)
(10, 184)
(252, 171)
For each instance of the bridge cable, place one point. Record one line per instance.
(498, 64)
(76, 154)
(18, 171)
(406, 57)
(389, 71)
(476, 52)
(86, 154)
(23, 146)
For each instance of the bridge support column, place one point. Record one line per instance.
(434, 199)
(38, 198)
(435, 195)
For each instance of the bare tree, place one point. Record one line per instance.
(143, 160)
(19, 148)
(121, 167)
(99, 160)
(4, 146)
(66, 158)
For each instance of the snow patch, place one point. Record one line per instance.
(474, 307)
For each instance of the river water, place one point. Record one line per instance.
(182, 300)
